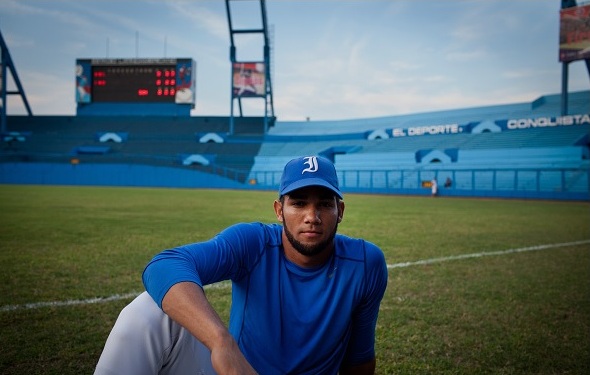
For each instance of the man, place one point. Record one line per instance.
(305, 299)
(434, 187)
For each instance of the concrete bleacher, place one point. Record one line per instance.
(148, 140)
(544, 106)
(550, 158)
(387, 152)
(529, 157)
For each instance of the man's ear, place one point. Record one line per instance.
(278, 206)
(340, 210)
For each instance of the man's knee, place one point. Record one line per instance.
(141, 314)
(138, 341)
(145, 340)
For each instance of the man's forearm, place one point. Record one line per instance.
(187, 304)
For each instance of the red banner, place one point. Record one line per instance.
(249, 79)
(574, 33)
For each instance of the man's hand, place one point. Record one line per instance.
(227, 359)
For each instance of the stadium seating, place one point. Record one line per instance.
(473, 147)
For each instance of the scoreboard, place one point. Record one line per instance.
(135, 81)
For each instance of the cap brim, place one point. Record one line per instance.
(310, 182)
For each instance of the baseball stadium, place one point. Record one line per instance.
(489, 269)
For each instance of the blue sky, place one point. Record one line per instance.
(331, 59)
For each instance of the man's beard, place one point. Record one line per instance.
(308, 250)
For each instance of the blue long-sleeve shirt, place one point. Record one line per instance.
(285, 318)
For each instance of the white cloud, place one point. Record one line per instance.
(47, 94)
(331, 60)
(214, 22)
(466, 56)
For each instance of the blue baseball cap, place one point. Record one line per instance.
(309, 171)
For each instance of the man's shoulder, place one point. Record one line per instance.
(254, 227)
(251, 231)
(357, 248)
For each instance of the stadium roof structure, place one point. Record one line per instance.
(8, 65)
(265, 64)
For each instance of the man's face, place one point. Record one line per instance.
(310, 218)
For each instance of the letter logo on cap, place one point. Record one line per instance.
(312, 161)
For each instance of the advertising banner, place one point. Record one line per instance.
(574, 33)
(248, 79)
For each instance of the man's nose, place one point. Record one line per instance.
(312, 215)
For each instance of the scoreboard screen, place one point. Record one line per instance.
(129, 83)
(135, 81)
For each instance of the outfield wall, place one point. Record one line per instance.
(557, 184)
(112, 175)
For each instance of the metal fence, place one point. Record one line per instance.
(552, 183)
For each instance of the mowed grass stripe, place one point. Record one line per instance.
(227, 284)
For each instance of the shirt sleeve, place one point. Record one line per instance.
(227, 255)
(361, 347)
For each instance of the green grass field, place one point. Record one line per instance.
(510, 313)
